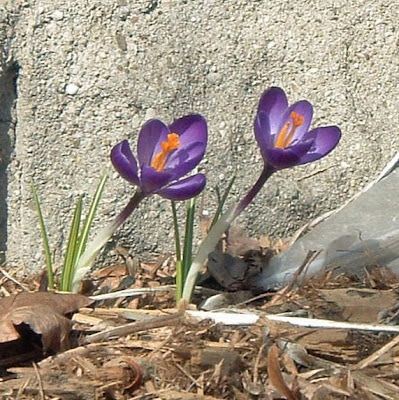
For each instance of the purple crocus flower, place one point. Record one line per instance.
(165, 154)
(283, 135)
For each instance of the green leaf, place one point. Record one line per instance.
(179, 280)
(86, 260)
(222, 200)
(183, 263)
(46, 245)
(179, 264)
(177, 232)
(84, 236)
(207, 245)
(188, 237)
(70, 255)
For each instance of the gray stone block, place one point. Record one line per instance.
(90, 73)
(363, 234)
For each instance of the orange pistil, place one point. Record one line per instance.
(284, 138)
(171, 143)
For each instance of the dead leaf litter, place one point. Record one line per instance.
(142, 348)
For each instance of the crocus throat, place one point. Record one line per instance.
(171, 143)
(285, 136)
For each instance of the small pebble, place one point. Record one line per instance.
(71, 89)
(150, 113)
(58, 15)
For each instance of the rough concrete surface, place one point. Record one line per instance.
(87, 74)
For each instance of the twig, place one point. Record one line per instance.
(256, 365)
(159, 346)
(158, 264)
(150, 395)
(255, 298)
(374, 385)
(22, 388)
(377, 354)
(151, 323)
(64, 357)
(194, 382)
(327, 324)
(40, 382)
(240, 318)
(319, 171)
(226, 318)
(308, 259)
(136, 292)
(133, 292)
(8, 276)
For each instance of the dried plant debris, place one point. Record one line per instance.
(34, 324)
(151, 352)
(239, 258)
(202, 360)
(78, 377)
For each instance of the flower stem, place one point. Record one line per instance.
(216, 232)
(207, 245)
(94, 247)
(264, 176)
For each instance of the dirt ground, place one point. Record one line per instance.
(143, 348)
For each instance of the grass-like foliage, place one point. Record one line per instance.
(46, 246)
(184, 260)
(78, 236)
(222, 200)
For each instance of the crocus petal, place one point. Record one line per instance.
(152, 180)
(190, 128)
(262, 131)
(124, 162)
(324, 140)
(185, 159)
(184, 189)
(289, 157)
(303, 108)
(185, 154)
(152, 133)
(273, 102)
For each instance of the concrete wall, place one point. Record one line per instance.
(89, 73)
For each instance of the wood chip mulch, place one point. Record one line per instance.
(160, 353)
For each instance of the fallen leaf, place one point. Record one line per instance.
(124, 371)
(275, 375)
(238, 243)
(357, 304)
(44, 314)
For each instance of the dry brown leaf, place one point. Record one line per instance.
(238, 243)
(44, 314)
(356, 304)
(275, 375)
(121, 371)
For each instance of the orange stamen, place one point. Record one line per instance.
(280, 142)
(297, 119)
(171, 143)
(284, 138)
